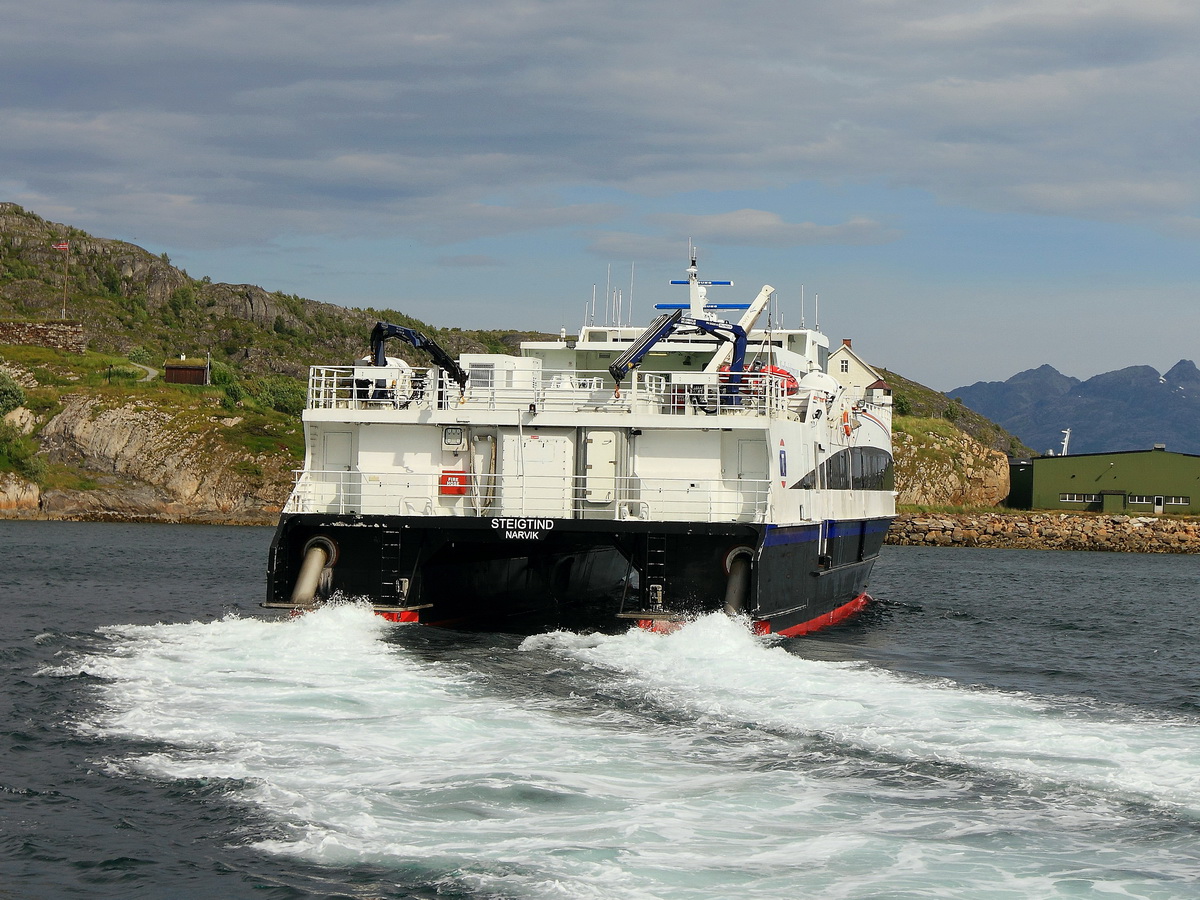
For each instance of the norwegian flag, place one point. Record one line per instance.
(62, 245)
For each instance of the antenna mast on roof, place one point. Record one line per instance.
(629, 312)
(1066, 441)
(607, 295)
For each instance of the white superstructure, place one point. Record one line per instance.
(638, 436)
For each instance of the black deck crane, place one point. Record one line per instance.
(382, 331)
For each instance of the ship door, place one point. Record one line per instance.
(601, 458)
(337, 462)
(537, 471)
(753, 476)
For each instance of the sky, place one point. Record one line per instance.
(966, 189)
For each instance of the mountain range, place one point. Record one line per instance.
(1126, 409)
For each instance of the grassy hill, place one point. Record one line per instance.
(137, 305)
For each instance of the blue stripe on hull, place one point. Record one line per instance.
(791, 534)
(798, 583)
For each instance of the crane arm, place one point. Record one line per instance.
(382, 331)
(666, 325)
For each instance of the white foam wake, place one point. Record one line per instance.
(713, 667)
(362, 751)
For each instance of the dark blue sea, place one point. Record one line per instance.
(1002, 724)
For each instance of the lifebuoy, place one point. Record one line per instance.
(846, 422)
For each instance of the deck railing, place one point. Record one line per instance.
(675, 393)
(445, 493)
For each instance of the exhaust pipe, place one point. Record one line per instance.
(320, 554)
(737, 587)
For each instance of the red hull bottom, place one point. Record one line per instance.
(660, 626)
(835, 617)
(403, 616)
(826, 620)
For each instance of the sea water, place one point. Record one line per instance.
(1002, 724)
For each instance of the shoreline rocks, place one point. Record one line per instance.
(1048, 531)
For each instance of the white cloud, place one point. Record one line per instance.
(622, 128)
(759, 228)
(277, 106)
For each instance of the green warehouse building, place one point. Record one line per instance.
(1134, 482)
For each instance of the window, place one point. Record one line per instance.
(481, 375)
(1178, 501)
(845, 365)
(1139, 498)
(855, 469)
(1079, 498)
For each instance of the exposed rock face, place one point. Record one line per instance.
(1049, 531)
(156, 465)
(935, 470)
(249, 302)
(21, 419)
(17, 494)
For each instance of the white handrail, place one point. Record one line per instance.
(665, 393)
(439, 493)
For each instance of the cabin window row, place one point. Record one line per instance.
(1131, 498)
(854, 469)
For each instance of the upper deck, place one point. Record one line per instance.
(513, 384)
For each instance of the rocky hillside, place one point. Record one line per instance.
(137, 305)
(939, 465)
(95, 436)
(111, 448)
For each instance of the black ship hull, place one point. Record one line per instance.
(529, 574)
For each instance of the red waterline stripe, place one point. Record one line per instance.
(408, 615)
(836, 617)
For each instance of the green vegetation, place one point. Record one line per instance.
(921, 425)
(59, 477)
(918, 509)
(138, 310)
(280, 393)
(265, 410)
(11, 394)
(18, 454)
(268, 433)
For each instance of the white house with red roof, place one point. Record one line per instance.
(860, 380)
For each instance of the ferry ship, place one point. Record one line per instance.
(627, 476)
